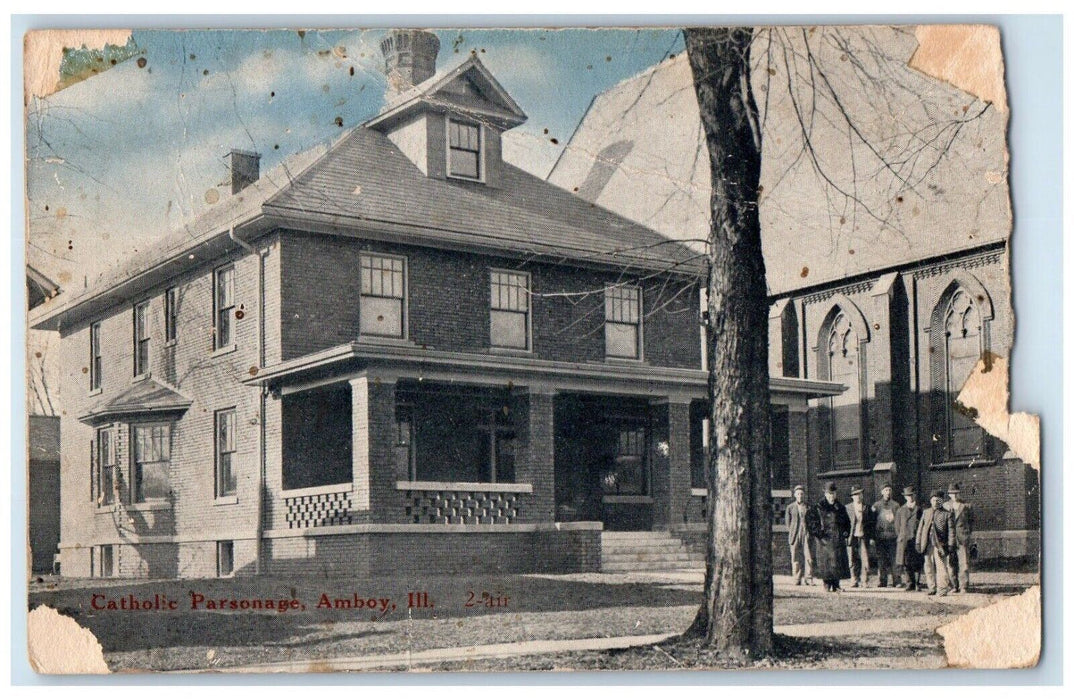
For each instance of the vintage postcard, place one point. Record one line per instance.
(451, 349)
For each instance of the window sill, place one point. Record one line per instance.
(627, 499)
(846, 472)
(510, 352)
(141, 377)
(225, 500)
(224, 350)
(149, 506)
(465, 178)
(171, 343)
(96, 392)
(462, 486)
(386, 340)
(703, 493)
(625, 361)
(963, 464)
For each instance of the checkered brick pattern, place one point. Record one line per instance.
(319, 510)
(462, 507)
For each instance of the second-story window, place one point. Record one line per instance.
(464, 150)
(509, 315)
(224, 305)
(96, 365)
(383, 296)
(141, 338)
(171, 313)
(622, 322)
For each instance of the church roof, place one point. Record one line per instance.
(640, 151)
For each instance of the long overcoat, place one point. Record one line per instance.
(829, 527)
(906, 521)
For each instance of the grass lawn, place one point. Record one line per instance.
(535, 608)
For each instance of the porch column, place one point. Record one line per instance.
(670, 468)
(537, 443)
(373, 436)
(798, 447)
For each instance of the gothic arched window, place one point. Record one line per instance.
(957, 437)
(844, 367)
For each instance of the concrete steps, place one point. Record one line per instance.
(645, 551)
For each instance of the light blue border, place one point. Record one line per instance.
(1033, 51)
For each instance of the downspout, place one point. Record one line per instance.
(262, 410)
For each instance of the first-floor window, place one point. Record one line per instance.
(225, 558)
(152, 462)
(108, 564)
(225, 452)
(106, 467)
(630, 473)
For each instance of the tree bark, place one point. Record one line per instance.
(736, 615)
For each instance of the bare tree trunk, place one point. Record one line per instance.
(736, 615)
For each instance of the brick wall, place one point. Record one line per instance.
(448, 305)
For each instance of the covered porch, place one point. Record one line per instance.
(408, 436)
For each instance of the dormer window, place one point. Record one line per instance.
(464, 150)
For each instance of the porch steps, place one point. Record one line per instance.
(645, 551)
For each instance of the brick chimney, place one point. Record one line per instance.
(245, 169)
(409, 58)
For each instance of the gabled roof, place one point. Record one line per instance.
(39, 288)
(144, 398)
(443, 89)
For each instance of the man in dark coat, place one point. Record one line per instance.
(960, 556)
(794, 517)
(885, 535)
(936, 540)
(907, 557)
(861, 532)
(829, 528)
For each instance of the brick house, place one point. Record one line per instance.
(396, 354)
(899, 315)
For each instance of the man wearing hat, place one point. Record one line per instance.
(907, 557)
(861, 531)
(936, 539)
(885, 535)
(829, 528)
(794, 516)
(960, 556)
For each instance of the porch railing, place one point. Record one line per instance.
(318, 506)
(463, 503)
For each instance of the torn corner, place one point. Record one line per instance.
(986, 396)
(58, 644)
(1006, 634)
(56, 58)
(967, 56)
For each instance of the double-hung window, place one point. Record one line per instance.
(223, 306)
(509, 315)
(95, 365)
(225, 452)
(171, 314)
(382, 310)
(141, 338)
(622, 322)
(464, 150)
(106, 467)
(152, 462)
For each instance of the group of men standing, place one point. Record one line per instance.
(832, 541)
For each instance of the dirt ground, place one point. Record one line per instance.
(516, 608)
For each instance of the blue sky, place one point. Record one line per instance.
(124, 156)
